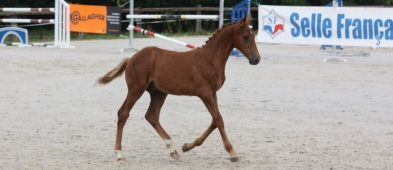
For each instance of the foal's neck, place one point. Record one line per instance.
(219, 47)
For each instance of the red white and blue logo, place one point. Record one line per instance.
(273, 24)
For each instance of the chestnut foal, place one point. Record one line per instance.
(199, 72)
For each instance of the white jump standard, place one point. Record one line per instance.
(61, 22)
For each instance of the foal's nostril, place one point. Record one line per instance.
(256, 61)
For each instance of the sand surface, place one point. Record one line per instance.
(292, 111)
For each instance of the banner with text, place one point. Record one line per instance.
(95, 19)
(351, 26)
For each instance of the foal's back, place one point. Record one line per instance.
(169, 71)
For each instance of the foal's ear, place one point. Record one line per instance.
(246, 20)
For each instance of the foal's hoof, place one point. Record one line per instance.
(184, 148)
(234, 159)
(175, 155)
(121, 160)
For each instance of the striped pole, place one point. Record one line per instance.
(27, 9)
(11, 20)
(137, 29)
(213, 17)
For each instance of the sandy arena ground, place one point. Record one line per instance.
(292, 111)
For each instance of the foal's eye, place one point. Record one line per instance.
(245, 38)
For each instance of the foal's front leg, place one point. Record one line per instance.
(199, 141)
(210, 101)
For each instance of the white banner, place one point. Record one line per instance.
(350, 26)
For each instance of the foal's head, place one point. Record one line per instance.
(244, 40)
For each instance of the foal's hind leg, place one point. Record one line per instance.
(153, 117)
(123, 114)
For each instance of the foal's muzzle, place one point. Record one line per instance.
(254, 59)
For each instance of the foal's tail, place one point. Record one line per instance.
(116, 72)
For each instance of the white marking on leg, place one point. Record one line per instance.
(119, 154)
(169, 144)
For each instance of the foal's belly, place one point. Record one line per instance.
(173, 81)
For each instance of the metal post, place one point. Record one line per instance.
(333, 58)
(68, 22)
(131, 20)
(131, 36)
(57, 23)
(248, 6)
(221, 20)
(63, 17)
(198, 21)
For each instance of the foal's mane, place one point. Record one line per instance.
(218, 31)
